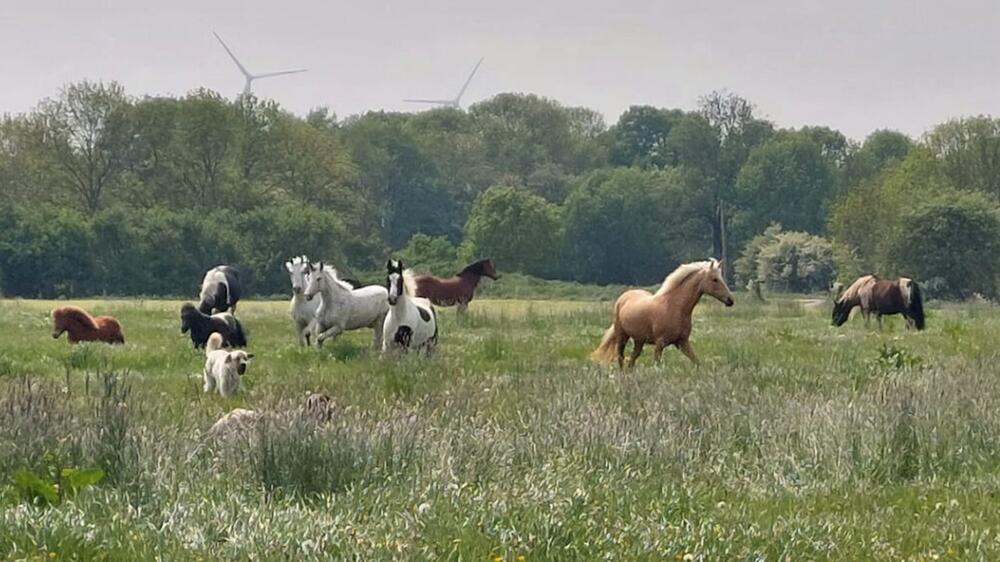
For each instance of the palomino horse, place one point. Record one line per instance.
(458, 289)
(663, 318)
(881, 296)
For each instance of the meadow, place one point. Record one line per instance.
(793, 441)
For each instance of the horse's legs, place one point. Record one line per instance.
(462, 306)
(331, 332)
(686, 349)
(658, 352)
(622, 342)
(878, 319)
(636, 351)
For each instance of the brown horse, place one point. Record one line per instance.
(458, 289)
(81, 326)
(663, 318)
(881, 296)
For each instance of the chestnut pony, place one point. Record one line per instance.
(81, 326)
(662, 318)
(458, 289)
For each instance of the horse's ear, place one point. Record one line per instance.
(288, 266)
(718, 263)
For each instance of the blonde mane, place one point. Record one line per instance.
(409, 283)
(681, 274)
(854, 292)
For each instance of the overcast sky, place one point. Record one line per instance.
(853, 65)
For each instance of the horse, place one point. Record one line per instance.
(662, 318)
(202, 326)
(220, 290)
(302, 309)
(343, 307)
(79, 326)
(458, 289)
(411, 322)
(881, 296)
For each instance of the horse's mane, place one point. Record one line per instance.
(74, 314)
(475, 267)
(331, 274)
(409, 282)
(853, 293)
(681, 274)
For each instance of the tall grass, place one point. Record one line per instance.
(794, 441)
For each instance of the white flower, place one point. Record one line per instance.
(423, 508)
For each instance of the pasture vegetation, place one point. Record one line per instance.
(794, 441)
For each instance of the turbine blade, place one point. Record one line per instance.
(281, 73)
(467, 80)
(231, 55)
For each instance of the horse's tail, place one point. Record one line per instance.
(214, 343)
(607, 350)
(914, 302)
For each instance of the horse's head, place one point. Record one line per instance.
(298, 273)
(314, 279)
(187, 311)
(394, 280)
(58, 324)
(713, 283)
(490, 269)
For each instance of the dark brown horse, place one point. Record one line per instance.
(881, 296)
(457, 290)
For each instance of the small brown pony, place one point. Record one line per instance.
(81, 326)
(458, 289)
(881, 296)
(663, 318)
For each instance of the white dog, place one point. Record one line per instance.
(223, 368)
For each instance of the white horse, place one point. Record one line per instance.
(302, 309)
(411, 322)
(344, 307)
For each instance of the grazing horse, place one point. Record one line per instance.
(881, 296)
(81, 326)
(662, 318)
(202, 326)
(302, 309)
(412, 321)
(220, 290)
(343, 307)
(458, 289)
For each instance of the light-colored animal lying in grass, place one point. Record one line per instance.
(317, 408)
(223, 368)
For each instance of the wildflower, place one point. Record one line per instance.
(688, 557)
(520, 558)
(423, 508)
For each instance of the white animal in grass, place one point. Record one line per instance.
(223, 368)
(302, 309)
(343, 307)
(411, 322)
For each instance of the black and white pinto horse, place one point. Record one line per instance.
(220, 290)
(411, 322)
(201, 326)
(880, 296)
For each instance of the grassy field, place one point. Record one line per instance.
(794, 441)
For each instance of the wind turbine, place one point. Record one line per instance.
(246, 74)
(456, 103)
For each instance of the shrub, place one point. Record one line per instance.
(788, 261)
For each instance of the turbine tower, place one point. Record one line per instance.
(246, 74)
(456, 103)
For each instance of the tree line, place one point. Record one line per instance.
(105, 193)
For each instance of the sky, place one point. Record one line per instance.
(856, 66)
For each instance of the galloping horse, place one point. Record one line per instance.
(881, 296)
(411, 322)
(458, 289)
(663, 318)
(343, 307)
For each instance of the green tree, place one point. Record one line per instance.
(952, 243)
(787, 181)
(430, 254)
(521, 231)
(629, 225)
(969, 151)
(880, 149)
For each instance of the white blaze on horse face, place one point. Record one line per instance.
(314, 279)
(395, 287)
(298, 274)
